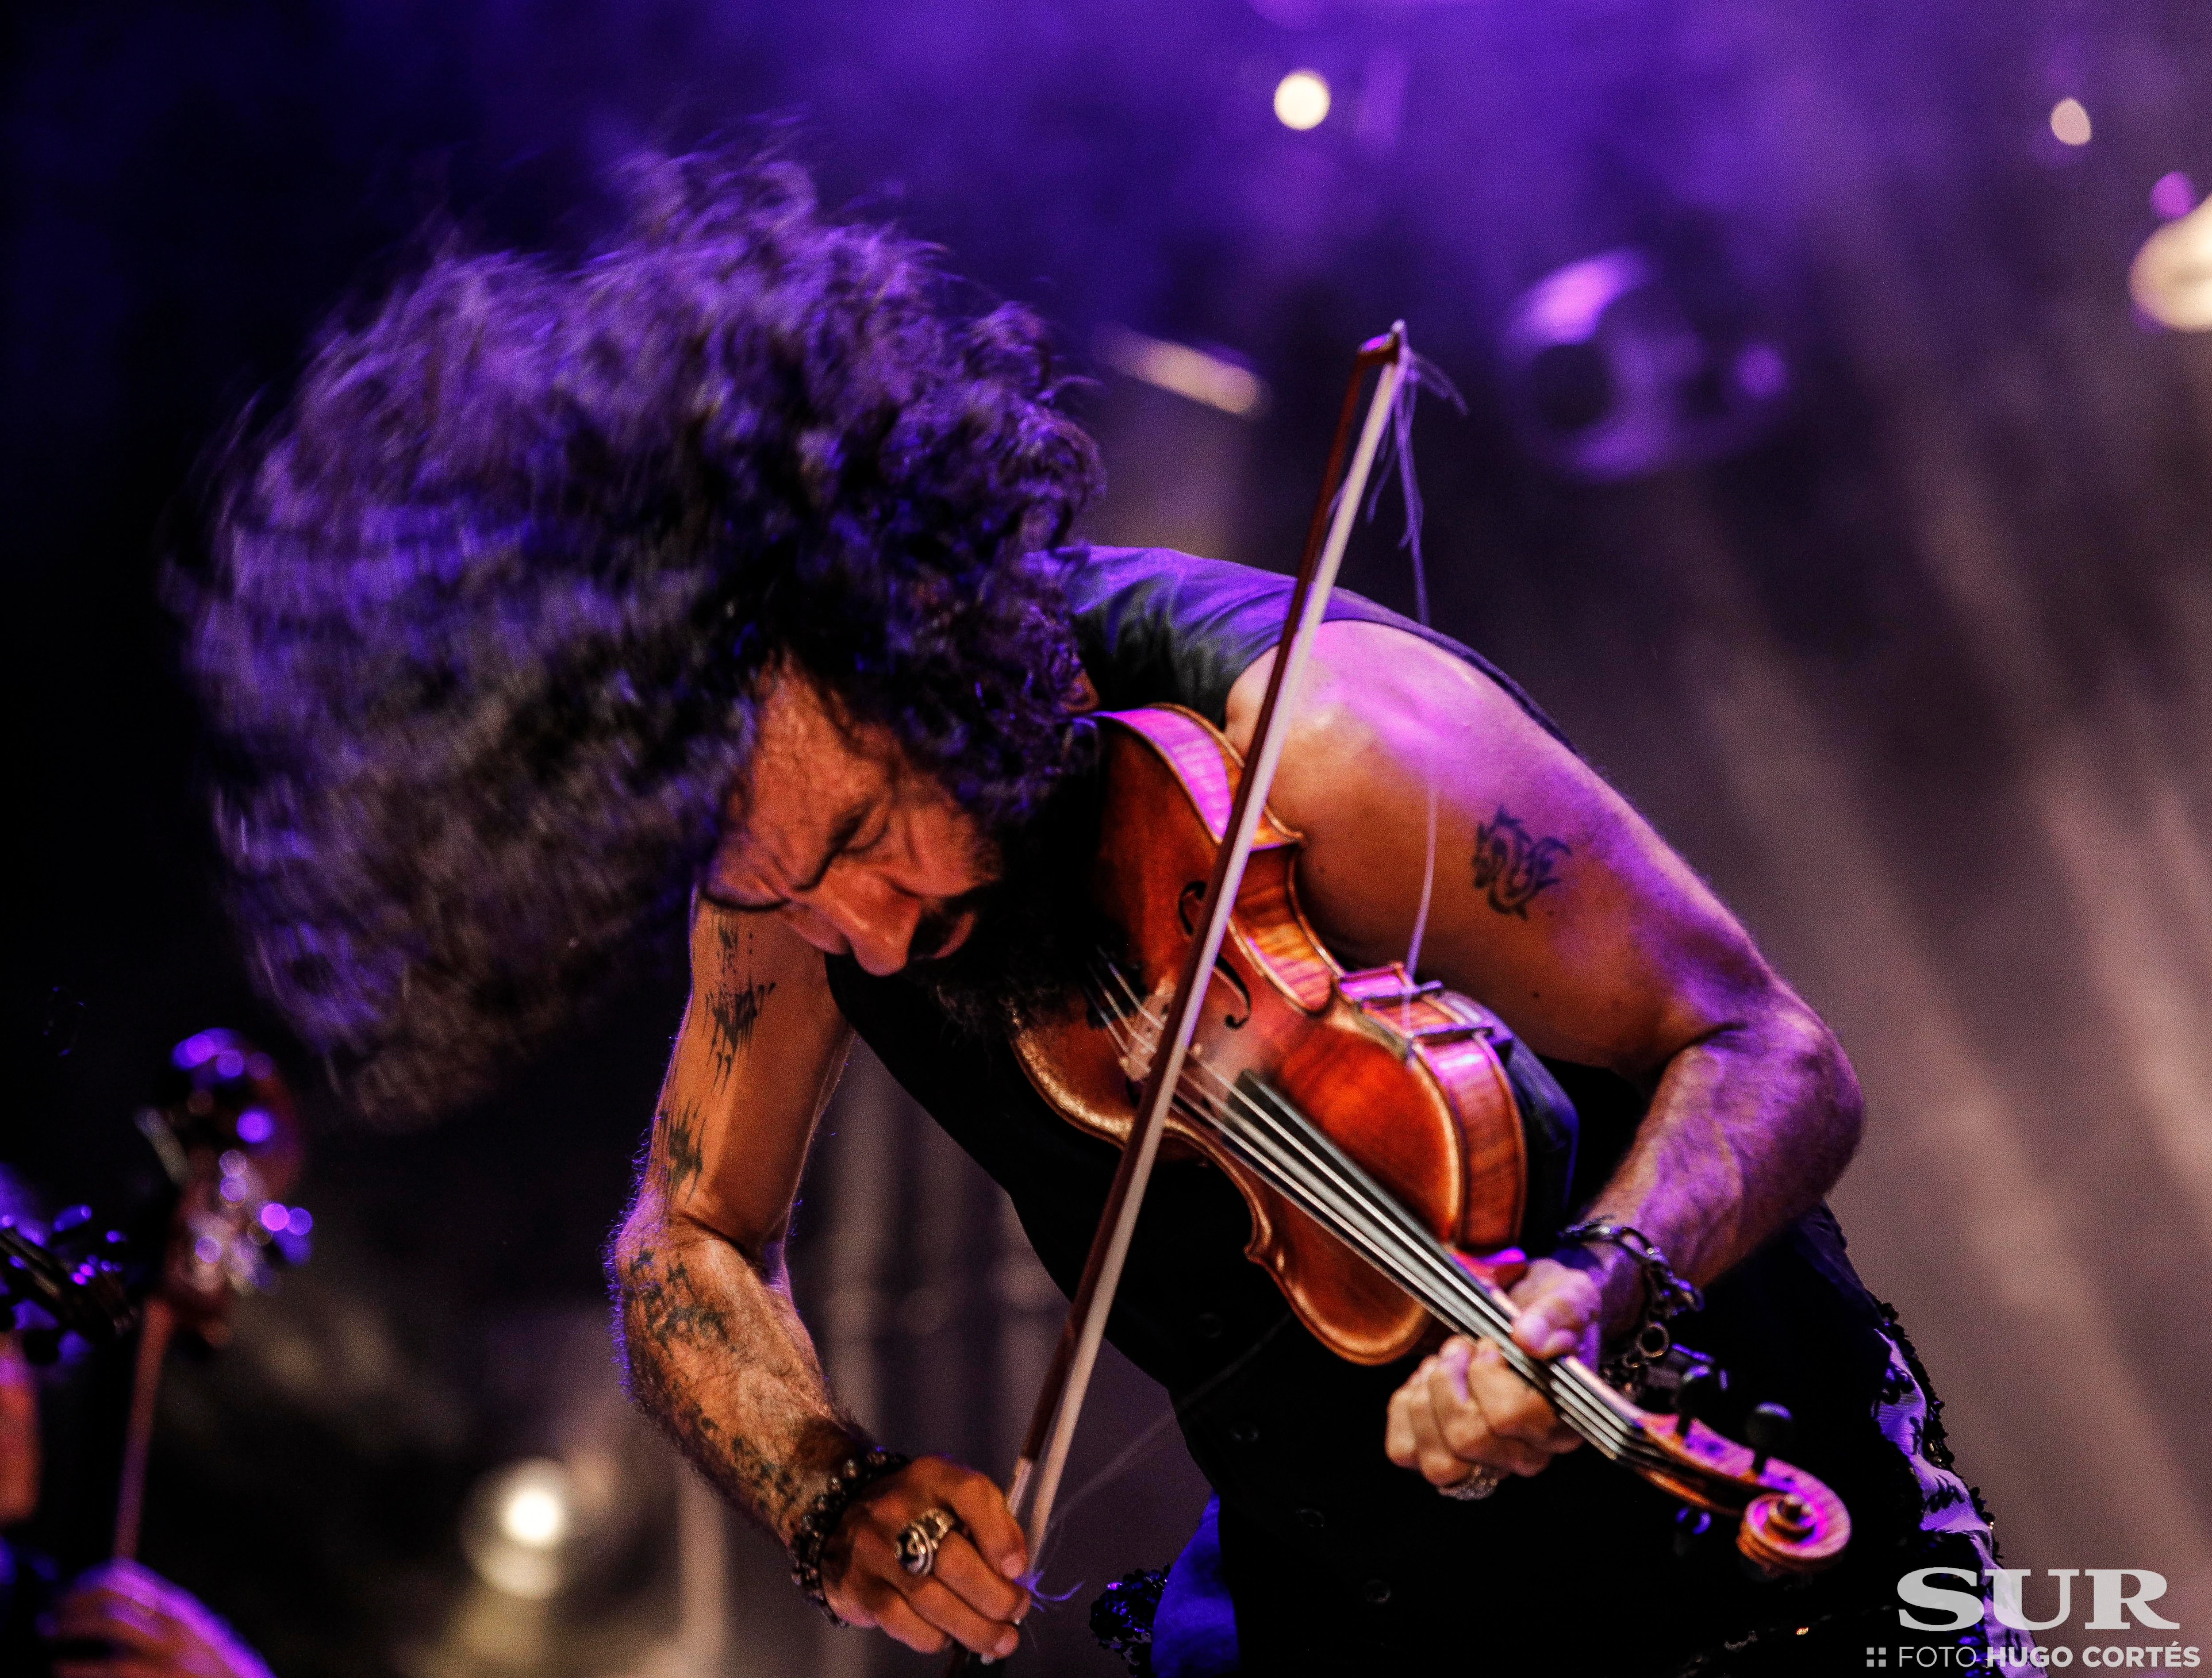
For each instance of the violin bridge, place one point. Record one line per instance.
(1385, 986)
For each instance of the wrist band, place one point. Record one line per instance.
(1666, 1296)
(811, 1535)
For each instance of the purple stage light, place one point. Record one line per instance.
(2174, 196)
(299, 1220)
(1761, 371)
(255, 1126)
(275, 1217)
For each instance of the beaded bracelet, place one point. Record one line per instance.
(811, 1535)
(1666, 1296)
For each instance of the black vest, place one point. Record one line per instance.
(1332, 1554)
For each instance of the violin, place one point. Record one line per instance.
(227, 1131)
(1366, 1120)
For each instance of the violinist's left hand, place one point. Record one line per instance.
(1464, 1411)
(151, 1628)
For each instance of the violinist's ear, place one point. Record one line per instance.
(1082, 697)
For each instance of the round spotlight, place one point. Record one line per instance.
(517, 1527)
(1302, 100)
(535, 1517)
(2069, 121)
(2173, 196)
(2170, 279)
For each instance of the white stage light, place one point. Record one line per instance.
(535, 1515)
(518, 1526)
(1302, 100)
(2170, 279)
(1196, 374)
(2069, 121)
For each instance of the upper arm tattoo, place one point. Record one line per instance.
(734, 1004)
(1511, 866)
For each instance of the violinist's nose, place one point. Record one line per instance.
(876, 919)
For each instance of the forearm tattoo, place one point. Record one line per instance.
(688, 1344)
(1512, 865)
(677, 1158)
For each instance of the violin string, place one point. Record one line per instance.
(1433, 1276)
(1364, 1214)
(1382, 1228)
(1413, 1257)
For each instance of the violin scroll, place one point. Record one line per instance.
(1789, 1522)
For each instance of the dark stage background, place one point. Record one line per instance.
(1903, 634)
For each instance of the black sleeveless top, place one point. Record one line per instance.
(1333, 1555)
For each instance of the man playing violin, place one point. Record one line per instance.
(726, 570)
(116, 1620)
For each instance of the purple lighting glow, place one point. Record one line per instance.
(1565, 307)
(1762, 371)
(255, 1126)
(2174, 196)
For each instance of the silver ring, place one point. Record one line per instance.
(918, 1540)
(1475, 1487)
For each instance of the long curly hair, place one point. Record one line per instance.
(486, 611)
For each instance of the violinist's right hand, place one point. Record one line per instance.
(971, 1595)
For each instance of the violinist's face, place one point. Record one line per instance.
(19, 1435)
(835, 834)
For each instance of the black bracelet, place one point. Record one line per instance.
(1666, 1296)
(811, 1535)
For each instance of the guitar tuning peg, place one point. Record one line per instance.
(1768, 1430)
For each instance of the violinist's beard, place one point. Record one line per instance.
(1037, 941)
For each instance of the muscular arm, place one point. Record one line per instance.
(714, 1348)
(1556, 904)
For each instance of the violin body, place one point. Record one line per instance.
(1410, 1076)
(1366, 1120)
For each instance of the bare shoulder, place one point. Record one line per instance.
(1371, 685)
(760, 1051)
(1553, 900)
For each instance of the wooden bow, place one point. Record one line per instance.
(1052, 1426)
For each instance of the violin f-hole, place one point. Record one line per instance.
(1187, 908)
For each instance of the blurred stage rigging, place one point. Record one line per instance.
(1905, 637)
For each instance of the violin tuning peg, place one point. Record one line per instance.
(1701, 1385)
(1691, 1526)
(1768, 1430)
